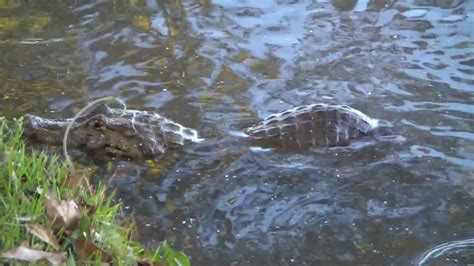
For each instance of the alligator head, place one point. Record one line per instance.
(133, 134)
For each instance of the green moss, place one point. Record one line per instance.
(31, 23)
(9, 4)
(268, 68)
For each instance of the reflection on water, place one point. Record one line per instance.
(218, 66)
(457, 247)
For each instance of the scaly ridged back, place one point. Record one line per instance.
(312, 125)
(157, 132)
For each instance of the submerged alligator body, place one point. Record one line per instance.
(321, 125)
(141, 134)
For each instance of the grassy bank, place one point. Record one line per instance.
(49, 214)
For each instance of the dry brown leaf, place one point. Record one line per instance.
(65, 213)
(25, 243)
(89, 209)
(76, 178)
(43, 234)
(32, 255)
(84, 249)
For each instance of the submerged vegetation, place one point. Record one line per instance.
(48, 213)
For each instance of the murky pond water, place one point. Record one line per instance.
(220, 65)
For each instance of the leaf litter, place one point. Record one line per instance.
(24, 253)
(43, 234)
(64, 213)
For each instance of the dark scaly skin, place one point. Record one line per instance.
(312, 125)
(133, 134)
(143, 135)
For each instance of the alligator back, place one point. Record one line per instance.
(157, 133)
(312, 125)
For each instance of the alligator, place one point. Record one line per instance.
(145, 135)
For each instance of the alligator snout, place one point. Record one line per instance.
(43, 130)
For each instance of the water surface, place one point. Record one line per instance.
(219, 66)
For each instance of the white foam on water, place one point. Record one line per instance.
(260, 149)
(439, 250)
(239, 134)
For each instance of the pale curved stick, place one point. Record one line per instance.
(69, 162)
(443, 248)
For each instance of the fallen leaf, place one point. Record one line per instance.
(75, 179)
(90, 209)
(25, 243)
(32, 255)
(64, 213)
(84, 249)
(43, 234)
